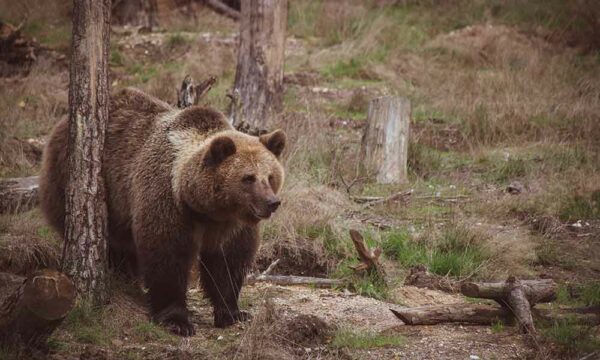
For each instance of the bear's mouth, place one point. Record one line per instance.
(259, 215)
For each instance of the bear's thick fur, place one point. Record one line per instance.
(182, 186)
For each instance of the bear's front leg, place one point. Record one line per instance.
(223, 267)
(165, 275)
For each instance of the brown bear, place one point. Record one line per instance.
(181, 186)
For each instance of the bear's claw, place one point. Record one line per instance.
(225, 319)
(180, 328)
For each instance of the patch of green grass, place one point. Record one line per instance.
(590, 294)
(353, 68)
(147, 331)
(45, 233)
(549, 254)
(571, 337)
(456, 251)
(345, 338)
(581, 207)
(511, 169)
(497, 326)
(116, 57)
(56, 36)
(85, 323)
(176, 40)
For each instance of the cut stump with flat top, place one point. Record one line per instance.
(384, 150)
(31, 313)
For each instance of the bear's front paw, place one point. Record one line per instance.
(176, 319)
(179, 327)
(226, 318)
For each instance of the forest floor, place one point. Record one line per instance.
(498, 97)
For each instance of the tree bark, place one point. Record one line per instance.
(465, 313)
(84, 253)
(18, 194)
(32, 312)
(259, 72)
(384, 149)
(536, 291)
(135, 12)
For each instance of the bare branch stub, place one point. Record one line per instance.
(369, 258)
(190, 94)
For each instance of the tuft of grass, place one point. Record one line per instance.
(571, 337)
(146, 331)
(176, 40)
(497, 326)
(85, 323)
(456, 251)
(352, 68)
(345, 338)
(590, 294)
(581, 207)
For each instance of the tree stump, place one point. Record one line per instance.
(18, 194)
(30, 314)
(384, 150)
(259, 72)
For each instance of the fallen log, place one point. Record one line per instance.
(287, 280)
(482, 314)
(290, 279)
(463, 313)
(30, 314)
(18, 194)
(536, 291)
(520, 306)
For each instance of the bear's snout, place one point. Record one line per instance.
(273, 204)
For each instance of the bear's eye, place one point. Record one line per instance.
(249, 179)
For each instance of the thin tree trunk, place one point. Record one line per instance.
(84, 253)
(259, 72)
(135, 12)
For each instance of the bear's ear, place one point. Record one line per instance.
(219, 149)
(274, 141)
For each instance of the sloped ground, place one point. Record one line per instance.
(494, 102)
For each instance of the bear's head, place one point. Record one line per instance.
(235, 177)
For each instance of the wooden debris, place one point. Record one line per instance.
(36, 308)
(369, 258)
(290, 279)
(297, 280)
(421, 278)
(190, 94)
(18, 194)
(223, 9)
(463, 313)
(536, 291)
(375, 200)
(516, 297)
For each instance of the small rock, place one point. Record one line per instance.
(515, 188)
(220, 338)
(474, 357)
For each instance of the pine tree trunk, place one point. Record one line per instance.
(84, 253)
(259, 73)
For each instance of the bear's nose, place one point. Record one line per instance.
(273, 205)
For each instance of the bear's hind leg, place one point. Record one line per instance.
(223, 267)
